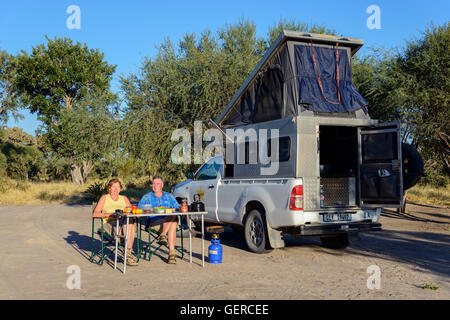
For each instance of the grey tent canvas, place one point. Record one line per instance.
(300, 73)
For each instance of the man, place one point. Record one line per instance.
(159, 198)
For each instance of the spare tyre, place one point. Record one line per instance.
(412, 164)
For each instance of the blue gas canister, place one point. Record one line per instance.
(215, 250)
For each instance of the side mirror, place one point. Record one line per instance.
(189, 175)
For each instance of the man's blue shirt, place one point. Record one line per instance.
(167, 200)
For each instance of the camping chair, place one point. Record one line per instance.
(106, 239)
(153, 234)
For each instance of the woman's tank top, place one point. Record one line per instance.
(111, 206)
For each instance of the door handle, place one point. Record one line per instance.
(211, 186)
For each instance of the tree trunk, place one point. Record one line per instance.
(87, 168)
(77, 177)
(444, 145)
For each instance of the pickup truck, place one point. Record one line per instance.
(268, 208)
(336, 166)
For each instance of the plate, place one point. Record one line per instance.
(333, 217)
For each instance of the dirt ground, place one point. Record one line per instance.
(40, 243)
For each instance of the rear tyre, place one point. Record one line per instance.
(335, 242)
(255, 232)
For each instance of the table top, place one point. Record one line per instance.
(160, 214)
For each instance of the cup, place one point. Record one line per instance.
(128, 210)
(147, 208)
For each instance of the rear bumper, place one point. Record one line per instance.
(335, 228)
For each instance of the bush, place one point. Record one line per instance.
(435, 176)
(23, 162)
(95, 191)
(3, 164)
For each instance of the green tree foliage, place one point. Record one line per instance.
(68, 85)
(413, 85)
(188, 82)
(422, 73)
(20, 158)
(18, 136)
(9, 97)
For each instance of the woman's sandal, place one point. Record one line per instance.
(171, 259)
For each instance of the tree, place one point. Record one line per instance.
(18, 136)
(184, 84)
(191, 81)
(412, 85)
(20, 157)
(62, 82)
(9, 97)
(422, 75)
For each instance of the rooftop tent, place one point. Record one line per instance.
(300, 72)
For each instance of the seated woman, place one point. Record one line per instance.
(106, 207)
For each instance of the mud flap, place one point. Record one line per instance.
(275, 238)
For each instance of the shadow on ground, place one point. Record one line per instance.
(83, 244)
(429, 251)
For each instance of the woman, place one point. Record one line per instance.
(106, 207)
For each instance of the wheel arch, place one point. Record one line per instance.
(274, 236)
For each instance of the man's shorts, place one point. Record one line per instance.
(159, 220)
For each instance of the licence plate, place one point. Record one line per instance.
(332, 217)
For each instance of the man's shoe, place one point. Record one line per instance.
(162, 239)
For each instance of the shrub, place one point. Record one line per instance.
(95, 191)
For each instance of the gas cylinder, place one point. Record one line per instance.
(215, 250)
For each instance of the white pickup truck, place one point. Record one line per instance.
(336, 166)
(269, 208)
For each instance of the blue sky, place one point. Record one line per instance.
(127, 31)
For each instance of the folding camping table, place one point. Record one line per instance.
(154, 214)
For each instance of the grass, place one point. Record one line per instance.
(425, 194)
(43, 193)
(430, 286)
(65, 192)
(35, 193)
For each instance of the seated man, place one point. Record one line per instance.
(159, 198)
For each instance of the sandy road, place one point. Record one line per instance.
(39, 243)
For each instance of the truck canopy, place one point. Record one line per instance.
(300, 72)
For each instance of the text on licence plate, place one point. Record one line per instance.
(331, 217)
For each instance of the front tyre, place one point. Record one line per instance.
(255, 232)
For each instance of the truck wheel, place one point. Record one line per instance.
(255, 232)
(335, 242)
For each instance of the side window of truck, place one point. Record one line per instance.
(209, 171)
